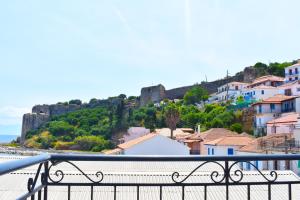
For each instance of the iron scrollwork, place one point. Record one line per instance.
(60, 174)
(31, 183)
(230, 173)
(214, 174)
(239, 173)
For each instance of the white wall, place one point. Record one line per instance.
(261, 93)
(279, 128)
(220, 150)
(158, 145)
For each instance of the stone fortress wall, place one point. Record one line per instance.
(42, 113)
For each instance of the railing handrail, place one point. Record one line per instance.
(11, 166)
(172, 158)
(14, 165)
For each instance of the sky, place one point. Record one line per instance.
(53, 51)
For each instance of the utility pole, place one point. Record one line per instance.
(227, 87)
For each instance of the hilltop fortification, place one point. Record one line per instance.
(42, 113)
(157, 93)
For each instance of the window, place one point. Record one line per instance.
(290, 71)
(272, 106)
(296, 70)
(259, 121)
(262, 92)
(298, 89)
(208, 151)
(230, 151)
(212, 151)
(288, 92)
(290, 79)
(236, 87)
(296, 78)
(253, 92)
(260, 109)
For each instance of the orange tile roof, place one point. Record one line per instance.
(260, 145)
(267, 78)
(211, 134)
(136, 141)
(276, 99)
(264, 87)
(231, 140)
(287, 119)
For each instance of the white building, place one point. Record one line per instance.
(292, 72)
(228, 145)
(230, 91)
(267, 145)
(284, 124)
(268, 80)
(290, 89)
(261, 92)
(272, 108)
(153, 144)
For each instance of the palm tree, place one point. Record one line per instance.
(172, 117)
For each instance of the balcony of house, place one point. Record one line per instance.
(150, 177)
(294, 73)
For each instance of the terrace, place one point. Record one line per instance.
(146, 177)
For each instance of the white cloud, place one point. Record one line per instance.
(10, 115)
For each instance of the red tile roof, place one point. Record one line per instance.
(267, 78)
(262, 144)
(231, 140)
(276, 99)
(287, 119)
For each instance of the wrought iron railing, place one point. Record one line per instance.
(227, 173)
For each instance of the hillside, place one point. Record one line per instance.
(94, 126)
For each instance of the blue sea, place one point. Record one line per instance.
(7, 138)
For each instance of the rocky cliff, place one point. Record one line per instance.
(42, 113)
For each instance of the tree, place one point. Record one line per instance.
(195, 95)
(172, 117)
(236, 127)
(75, 101)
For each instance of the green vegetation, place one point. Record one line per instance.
(195, 95)
(92, 129)
(85, 129)
(276, 69)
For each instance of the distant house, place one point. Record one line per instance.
(292, 72)
(178, 133)
(196, 141)
(261, 92)
(230, 91)
(227, 145)
(271, 144)
(284, 124)
(268, 80)
(270, 109)
(151, 144)
(292, 88)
